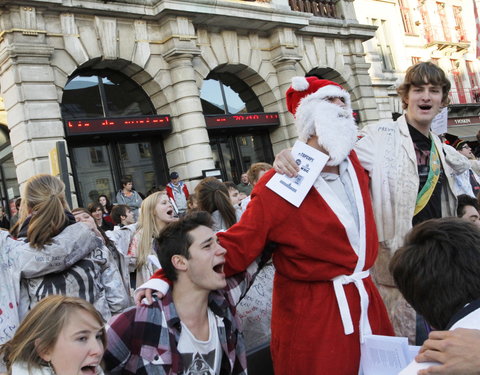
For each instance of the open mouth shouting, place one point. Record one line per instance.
(218, 268)
(425, 107)
(89, 370)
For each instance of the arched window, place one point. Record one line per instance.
(103, 93)
(224, 93)
(234, 148)
(100, 161)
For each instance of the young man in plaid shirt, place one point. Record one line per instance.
(194, 328)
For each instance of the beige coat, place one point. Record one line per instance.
(387, 152)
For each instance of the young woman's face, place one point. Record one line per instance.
(97, 214)
(102, 201)
(79, 347)
(234, 196)
(164, 210)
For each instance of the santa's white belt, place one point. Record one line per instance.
(338, 283)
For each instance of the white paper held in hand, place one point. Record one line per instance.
(311, 162)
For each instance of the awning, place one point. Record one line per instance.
(465, 127)
(467, 133)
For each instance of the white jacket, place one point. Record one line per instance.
(18, 260)
(94, 276)
(387, 152)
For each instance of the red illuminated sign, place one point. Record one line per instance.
(242, 120)
(117, 125)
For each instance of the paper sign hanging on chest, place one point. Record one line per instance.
(295, 189)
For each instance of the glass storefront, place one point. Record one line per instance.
(100, 161)
(98, 169)
(233, 154)
(234, 150)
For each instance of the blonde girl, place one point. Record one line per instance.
(155, 213)
(44, 215)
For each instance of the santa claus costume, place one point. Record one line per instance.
(324, 300)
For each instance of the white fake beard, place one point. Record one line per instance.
(333, 125)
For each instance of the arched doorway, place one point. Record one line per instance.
(101, 158)
(234, 148)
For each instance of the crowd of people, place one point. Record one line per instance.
(385, 242)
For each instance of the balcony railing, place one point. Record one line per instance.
(464, 96)
(319, 8)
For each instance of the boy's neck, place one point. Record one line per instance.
(423, 128)
(191, 305)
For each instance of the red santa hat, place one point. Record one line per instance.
(312, 88)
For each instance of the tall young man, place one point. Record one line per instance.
(194, 328)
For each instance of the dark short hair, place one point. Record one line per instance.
(92, 207)
(463, 201)
(175, 239)
(118, 211)
(437, 268)
(424, 73)
(230, 185)
(125, 180)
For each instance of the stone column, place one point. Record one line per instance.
(284, 58)
(188, 149)
(29, 93)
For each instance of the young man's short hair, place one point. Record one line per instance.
(125, 180)
(437, 268)
(463, 201)
(118, 211)
(94, 206)
(424, 73)
(175, 239)
(230, 185)
(254, 171)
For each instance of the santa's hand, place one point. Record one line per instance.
(458, 351)
(145, 296)
(285, 163)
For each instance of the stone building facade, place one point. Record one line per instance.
(441, 31)
(169, 49)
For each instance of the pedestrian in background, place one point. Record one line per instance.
(126, 195)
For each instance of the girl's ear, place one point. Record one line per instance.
(45, 355)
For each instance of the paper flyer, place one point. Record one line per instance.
(311, 162)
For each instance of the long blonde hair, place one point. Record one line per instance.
(148, 227)
(44, 199)
(40, 329)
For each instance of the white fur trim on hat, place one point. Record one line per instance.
(330, 91)
(299, 83)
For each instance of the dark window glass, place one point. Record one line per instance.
(224, 93)
(81, 98)
(103, 93)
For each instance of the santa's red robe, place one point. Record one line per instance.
(317, 242)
